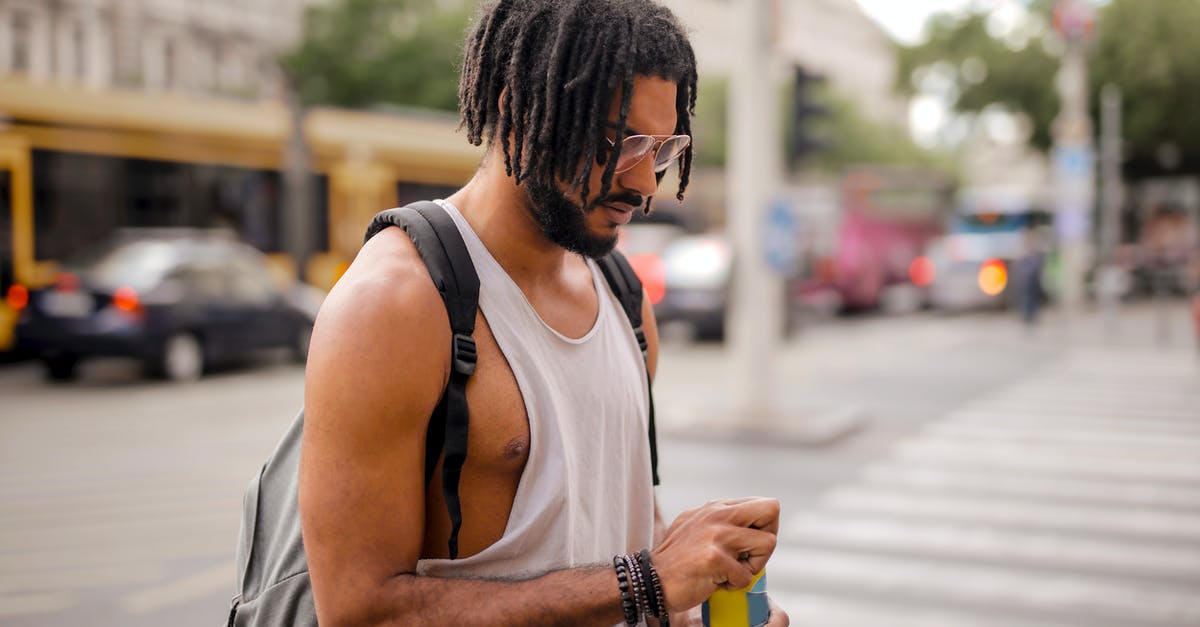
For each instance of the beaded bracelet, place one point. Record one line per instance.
(627, 603)
(654, 589)
(640, 584)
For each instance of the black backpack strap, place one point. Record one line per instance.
(441, 246)
(627, 287)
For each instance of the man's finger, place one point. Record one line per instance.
(760, 513)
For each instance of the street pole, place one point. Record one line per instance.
(297, 194)
(1074, 155)
(755, 324)
(1111, 281)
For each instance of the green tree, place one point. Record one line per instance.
(852, 137)
(1150, 50)
(362, 53)
(984, 71)
(1147, 49)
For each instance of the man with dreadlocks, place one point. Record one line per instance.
(583, 105)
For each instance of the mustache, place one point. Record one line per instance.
(631, 199)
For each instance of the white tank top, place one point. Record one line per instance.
(585, 494)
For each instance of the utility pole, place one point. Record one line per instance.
(1111, 278)
(755, 324)
(297, 194)
(1074, 155)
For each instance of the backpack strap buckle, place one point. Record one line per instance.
(464, 354)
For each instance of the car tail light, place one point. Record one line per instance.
(66, 282)
(126, 300)
(653, 273)
(17, 297)
(993, 277)
(922, 271)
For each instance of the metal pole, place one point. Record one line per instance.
(1074, 177)
(297, 206)
(1110, 218)
(755, 322)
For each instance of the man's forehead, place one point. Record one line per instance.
(651, 107)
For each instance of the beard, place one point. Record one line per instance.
(565, 223)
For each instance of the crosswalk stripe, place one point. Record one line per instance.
(1050, 434)
(1150, 524)
(1071, 596)
(39, 603)
(1183, 457)
(999, 482)
(980, 542)
(831, 610)
(1081, 406)
(1116, 426)
(80, 578)
(129, 552)
(21, 518)
(1027, 459)
(83, 533)
(194, 586)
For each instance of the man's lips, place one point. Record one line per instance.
(619, 213)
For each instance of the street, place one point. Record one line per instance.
(995, 477)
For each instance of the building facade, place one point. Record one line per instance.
(223, 47)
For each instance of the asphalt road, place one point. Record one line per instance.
(120, 498)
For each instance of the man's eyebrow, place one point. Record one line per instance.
(627, 128)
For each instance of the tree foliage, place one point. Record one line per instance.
(1147, 49)
(851, 137)
(363, 53)
(1151, 51)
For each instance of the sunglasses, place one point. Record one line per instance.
(666, 149)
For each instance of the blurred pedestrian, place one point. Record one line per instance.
(1027, 277)
(583, 105)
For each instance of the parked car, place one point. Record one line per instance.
(686, 276)
(179, 300)
(697, 270)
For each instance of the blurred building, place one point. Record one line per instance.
(216, 46)
(834, 38)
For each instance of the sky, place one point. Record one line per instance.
(904, 19)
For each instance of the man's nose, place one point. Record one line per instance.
(641, 178)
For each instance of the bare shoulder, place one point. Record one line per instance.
(382, 338)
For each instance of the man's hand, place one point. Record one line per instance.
(722, 544)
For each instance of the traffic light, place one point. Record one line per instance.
(806, 111)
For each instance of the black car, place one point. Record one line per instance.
(179, 300)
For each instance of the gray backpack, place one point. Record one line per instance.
(272, 571)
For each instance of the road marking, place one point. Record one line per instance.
(827, 610)
(999, 442)
(1051, 434)
(1033, 420)
(1058, 551)
(1072, 596)
(1002, 483)
(40, 603)
(196, 586)
(1151, 524)
(80, 578)
(1060, 462)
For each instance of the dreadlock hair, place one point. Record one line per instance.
(544, 73)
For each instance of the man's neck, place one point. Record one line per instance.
(499, 213)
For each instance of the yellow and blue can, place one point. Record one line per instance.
(747, 607)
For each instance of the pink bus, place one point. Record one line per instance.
(888, 216)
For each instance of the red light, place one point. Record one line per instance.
(653, 273)
(922, 272)
(993, 277)
(66, 282)
(125, 299)
(18, 297)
